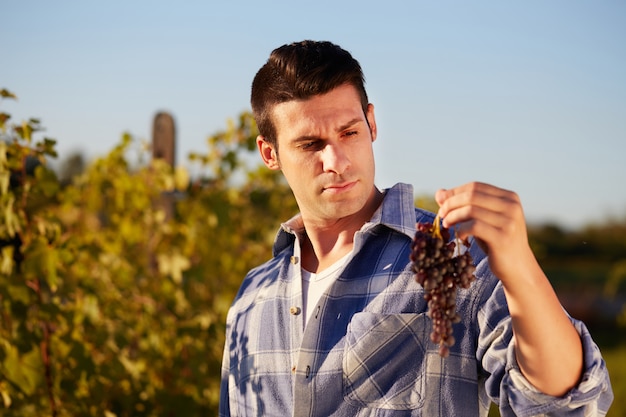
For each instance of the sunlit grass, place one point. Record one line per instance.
(616, 362)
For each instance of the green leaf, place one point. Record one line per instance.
(6, 397)
(48, 147)
(5, 181)
(134, 367)
(4, 117)
(173, 265)
(20, 294)
(47, 181)
(42, 261)
(25, 371)
(6, 265)
(11, 221)
(4, 93)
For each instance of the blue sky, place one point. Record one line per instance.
(529, 96)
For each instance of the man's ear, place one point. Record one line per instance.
(268, 153)
(371, 121)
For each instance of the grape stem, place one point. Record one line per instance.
(437, 227)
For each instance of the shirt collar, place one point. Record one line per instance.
(397, 212)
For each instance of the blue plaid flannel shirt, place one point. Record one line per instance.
(366, 349)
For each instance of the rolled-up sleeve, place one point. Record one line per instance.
(513, 393)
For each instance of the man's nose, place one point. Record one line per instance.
(335, 158)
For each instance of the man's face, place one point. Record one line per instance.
(325, 152)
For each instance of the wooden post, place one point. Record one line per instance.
(164, 147)
(164, 138)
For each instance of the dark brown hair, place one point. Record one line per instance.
(299, 71)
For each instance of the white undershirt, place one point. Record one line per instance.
(314, 285)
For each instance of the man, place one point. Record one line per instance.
(335, 324)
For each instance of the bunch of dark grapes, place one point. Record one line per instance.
(440, 270)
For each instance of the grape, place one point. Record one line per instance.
(440, 272)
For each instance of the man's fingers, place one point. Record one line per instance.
(474, 195)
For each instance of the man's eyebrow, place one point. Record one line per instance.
(347, 125)
(350, 124)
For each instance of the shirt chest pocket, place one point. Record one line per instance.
(384, 360)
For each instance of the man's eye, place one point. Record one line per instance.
(310, 145)
(351, 133)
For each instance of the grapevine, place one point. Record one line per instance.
(441, 270)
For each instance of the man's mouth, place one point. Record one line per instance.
(339, 187)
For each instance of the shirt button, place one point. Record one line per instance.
(293, 370)
(294, 310)
(294, 259)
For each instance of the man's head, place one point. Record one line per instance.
(299, 71)
(310, 98)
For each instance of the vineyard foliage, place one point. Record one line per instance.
(114, 288)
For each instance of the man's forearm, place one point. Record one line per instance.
(547, 346)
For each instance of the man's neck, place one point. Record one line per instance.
(324, 243)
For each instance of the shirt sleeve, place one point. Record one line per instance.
(224, 406)
(505, 384)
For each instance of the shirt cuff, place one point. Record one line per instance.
(593, 391)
